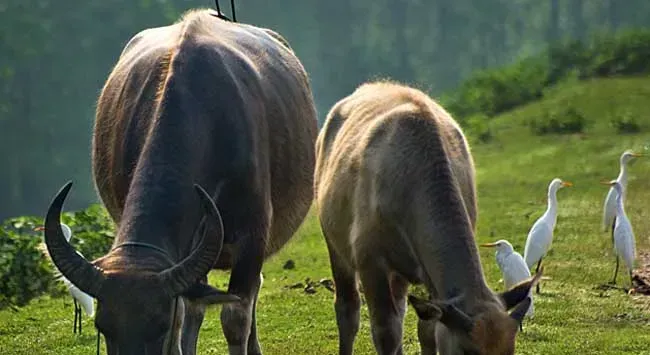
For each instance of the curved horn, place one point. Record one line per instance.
(180, 277)
(83, 274)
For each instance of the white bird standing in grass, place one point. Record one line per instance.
(624, 243)
(513, 268)
(80, 298)
(540, 236)
(609, 208)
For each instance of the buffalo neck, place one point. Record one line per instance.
(161, 206)
(444, 243)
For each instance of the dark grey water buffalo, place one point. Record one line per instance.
(222, 105)
(396, 193)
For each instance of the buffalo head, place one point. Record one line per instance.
(490, 331)
(141, 306)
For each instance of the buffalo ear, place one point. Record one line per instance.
(444, 312)
(425, 310)
(520, 310)
(206, 294)
(519, 292)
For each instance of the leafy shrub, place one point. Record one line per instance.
(625, 125)
(554, 122)
(491, 92)
(92, 231)
(24, 271)
(478, 128)
(625, 53)
(494, 91)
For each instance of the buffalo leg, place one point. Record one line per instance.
(346, 304)
(237, 317)
(254, 347)
(193, 318)
(427, 336)
(386, 305)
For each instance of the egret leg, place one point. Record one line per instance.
(631, 280)
(539, 264)
(76, 315)
(79, 312)
(613, 225)
(521, 326)
(615, 271)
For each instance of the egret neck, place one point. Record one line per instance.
(620, 210)
(622, 176)
(551, 210)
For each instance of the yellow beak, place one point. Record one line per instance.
(567, 183)
(637, 155)
(39, 229)
(608, 183)
(489, 244)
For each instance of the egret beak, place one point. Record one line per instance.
(39, 229)
(637, 155)
(491, 245)
(567, 183)
(608, 183)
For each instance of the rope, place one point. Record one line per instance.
(232, 9)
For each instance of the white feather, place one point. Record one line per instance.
(624, 241)
(540, 236)
(609, 207)
(85, 300)
(513, 268)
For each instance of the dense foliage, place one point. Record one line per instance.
(24, 272)
(560, 121)
(25, 269)
(494, 91)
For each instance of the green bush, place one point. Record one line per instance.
(567, 121)
(625, 125)
(478, 128)
(92, 231)
(625, 53)
(24, 271)
(491, 92)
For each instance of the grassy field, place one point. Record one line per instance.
(572, 315)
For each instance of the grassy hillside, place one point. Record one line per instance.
(514, 169)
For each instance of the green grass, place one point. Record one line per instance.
(514, 169)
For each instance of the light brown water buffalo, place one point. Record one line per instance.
(396, 196)
(206, 103)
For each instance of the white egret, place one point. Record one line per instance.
(623, 235)
(609, 208)
(540, 236)
(513, 268)
(80, 298)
